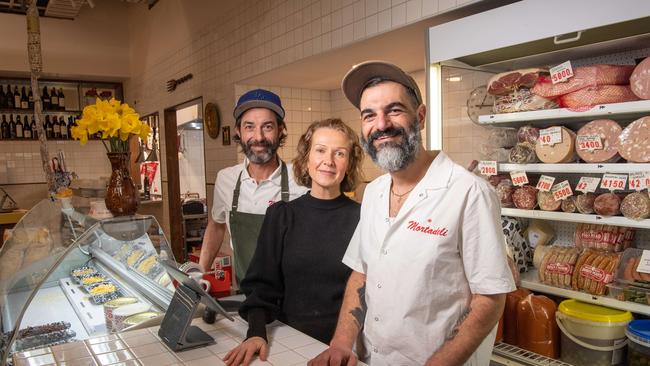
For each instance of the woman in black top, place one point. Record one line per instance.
(296, 274)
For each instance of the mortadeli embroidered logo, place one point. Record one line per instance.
(415, 226)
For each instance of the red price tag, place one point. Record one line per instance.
(589, 142)
(639, 181)
(561, 72)
(587, 184)
(545, 183)
(614, 181)
(519, 178)
(487, 167)
(550, 136)
(562, 191)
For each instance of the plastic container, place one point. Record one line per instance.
(592, 334)
(638, 334)
(625, 292)
(627, 272)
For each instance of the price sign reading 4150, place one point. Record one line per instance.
(639, 181)
(487, 167)
(613, 181)
(562, 190)
(519, 178)
(545, 183)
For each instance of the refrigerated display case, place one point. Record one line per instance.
(59, 269)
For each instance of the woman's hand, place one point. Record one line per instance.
(243, 354)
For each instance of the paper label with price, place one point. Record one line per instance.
(589, 142)
(644, 262)
(639, 181)
(561, 72)
(550, 136)
(545, 183)
(562, 190)
(587, 184)
(519, 178)
(487, 167)
(613, 181)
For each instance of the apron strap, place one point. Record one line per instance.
(284, 182)
(235, 193)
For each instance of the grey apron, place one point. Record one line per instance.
(245, 227)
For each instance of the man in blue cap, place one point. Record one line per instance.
(244, 191)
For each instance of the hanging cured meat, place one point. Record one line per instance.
(599, 94)
(583, 77)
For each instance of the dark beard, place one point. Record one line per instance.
(262, 157)
(394, 156)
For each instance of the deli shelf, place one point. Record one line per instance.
(576, 217)
(616, 168)
(530, 281)
(626, 111)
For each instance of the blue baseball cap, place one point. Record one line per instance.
(258, 98)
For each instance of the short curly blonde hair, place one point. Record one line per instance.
(300, 162)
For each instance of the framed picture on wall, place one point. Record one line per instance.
(226, 135)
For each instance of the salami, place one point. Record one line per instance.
(609, 132)
(585, 203)
(522, 100)
(569, 205)
(528, 134)
(547, 202)
(523, 153)
(505, 189)
(599, 94)
(562, 152)
(525, 197)
(640, 79)
(502, 137)
(636, 206)
(509, 81)
(583, 77)
(607, 204)
(634, 141)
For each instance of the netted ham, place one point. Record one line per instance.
(640, 79)
(634, 141)
(599, 94)
(522, 100)
(583, 77)
(509, 81)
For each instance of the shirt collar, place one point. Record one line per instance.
(275, 177)
(439, 172)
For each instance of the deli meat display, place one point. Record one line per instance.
(573, 87)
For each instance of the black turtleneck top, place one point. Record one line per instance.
(296, 274)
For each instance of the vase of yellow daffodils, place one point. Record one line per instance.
(114, 123)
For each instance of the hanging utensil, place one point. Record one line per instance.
(140, 158)
(173, 83)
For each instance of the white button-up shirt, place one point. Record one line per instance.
(254, 197)
(423, 266)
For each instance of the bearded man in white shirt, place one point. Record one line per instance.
(430, 273)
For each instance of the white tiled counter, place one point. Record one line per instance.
(143, 347)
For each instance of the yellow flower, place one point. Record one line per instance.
(145, 130)
(79, 133)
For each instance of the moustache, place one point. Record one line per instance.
(260, 143)
(389, 132)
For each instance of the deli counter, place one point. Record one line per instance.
(67, 277)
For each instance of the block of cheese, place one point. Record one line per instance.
(634, 141)
(562, 152)
(539, 233)
(608, 131)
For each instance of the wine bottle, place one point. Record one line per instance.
(24, 102)
(10, 97)
(12, 127)
(46, 99)
(49, 130)
(54, 100)
(5, 132)
(3, 97)
(19, 128)
(16, 97)
(56, 128)
(30, 99)
(146, 189)
(64, 128)
(70, 124)
(34, 129)
(61, 100)
(27, 130)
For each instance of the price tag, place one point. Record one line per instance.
(561, 72)
(639, 181)
(613, 181)
(545, 183)
(589, 142)
(487, 167)
(519, 178)
(550, 136)
(644, 263)
(562, 190)
(587, 184)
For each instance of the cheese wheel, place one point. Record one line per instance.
(562, 152)
(640, 79)
(609, 132)
(634, 141)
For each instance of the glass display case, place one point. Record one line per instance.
(65, 276)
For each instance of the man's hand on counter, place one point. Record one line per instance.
(334, 356)
(244, 353)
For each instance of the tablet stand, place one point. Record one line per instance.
(176, 330)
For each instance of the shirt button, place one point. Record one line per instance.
(385, 252)
(379, 285)
(376, 318)
(421, 194)
(375, 350)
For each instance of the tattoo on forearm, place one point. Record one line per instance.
(359, 313)
(460, 321)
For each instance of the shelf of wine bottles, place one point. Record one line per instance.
(22, 98)
(23, 126)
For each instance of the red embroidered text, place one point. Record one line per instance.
(415, 226)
